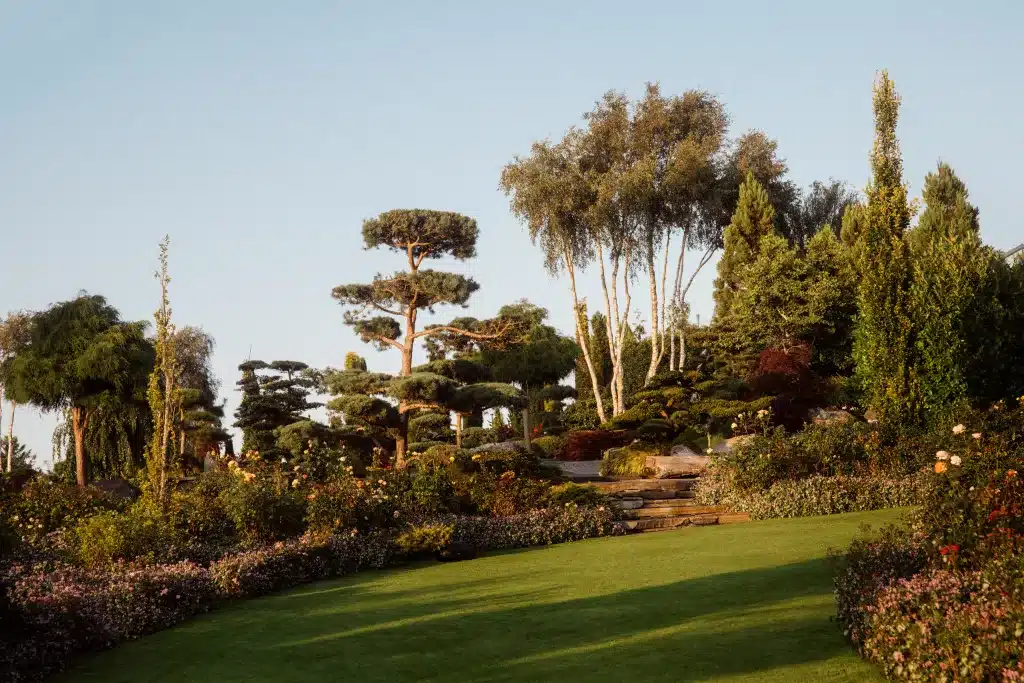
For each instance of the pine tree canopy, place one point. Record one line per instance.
(422, 234)
(461, 370)
(486, 395)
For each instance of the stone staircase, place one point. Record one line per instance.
(660, 504)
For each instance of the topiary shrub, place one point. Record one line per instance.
(634, 416)
(435, 427)
(581, 415)
(656, 431)
(473, 437)
(551, 447)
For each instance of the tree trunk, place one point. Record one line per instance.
(79, 422)
(10, 438)
(526, 426)
(181, 446)
(458, 430)
(652, 278)
(610, 321)
(586, 352)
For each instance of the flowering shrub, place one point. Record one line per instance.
(263, 503)
(942, 625)
(505, 494)
(537, 527)
(946, 603)
(291, 563)
(818, 495)
(871, 564)
(46, 505)
(65, 610)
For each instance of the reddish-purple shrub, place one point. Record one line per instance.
(591, 444)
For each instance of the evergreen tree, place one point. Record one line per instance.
(418, 235)
(271, 401)
(884, 343)
(949, 265)
(753, 219)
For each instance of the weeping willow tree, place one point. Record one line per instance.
(115, 440)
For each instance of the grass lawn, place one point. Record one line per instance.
(747, 602)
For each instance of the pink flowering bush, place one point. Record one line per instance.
(292, 563)
(944, 601)
(63, 610)
(943, 625)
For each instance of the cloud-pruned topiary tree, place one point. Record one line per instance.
(386, 312)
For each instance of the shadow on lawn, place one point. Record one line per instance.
(485, 630)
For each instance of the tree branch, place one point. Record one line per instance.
(431, 331)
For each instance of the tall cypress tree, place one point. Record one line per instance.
(884, 343)
(949, 266)
(753, 219)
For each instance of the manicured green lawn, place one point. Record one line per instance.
(748, 602)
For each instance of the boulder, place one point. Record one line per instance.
(118, 488)
(731, 444)
(672, 466)
(682, 450)
(821, 416)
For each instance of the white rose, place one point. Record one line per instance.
(955, 460)
(942, 455)
(959, 429)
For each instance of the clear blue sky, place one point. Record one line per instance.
(260, 135)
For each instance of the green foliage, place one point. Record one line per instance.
(949, 264)
(22, 458)
(551, 446)
(432, 492)
(477, 436)
(753, 220)
(629, 461)
(264, 507)
(46, 505)
(431, 427)
(421, 234)
(576, 494)
(138, 533)
(656, 431)
(425, 539)
(581, 414)
(353, 361)
(884, 336)
(80, 355)
(275, 399)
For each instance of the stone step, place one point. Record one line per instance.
(650, 524)
(676, 511)
(646, 488)
(681, 499)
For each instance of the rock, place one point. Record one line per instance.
(501, 447)
(629, 503)
(671, 466)
(456, 552)
(733, 443)
(821, 416)
(118, 488)
(682, 450)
